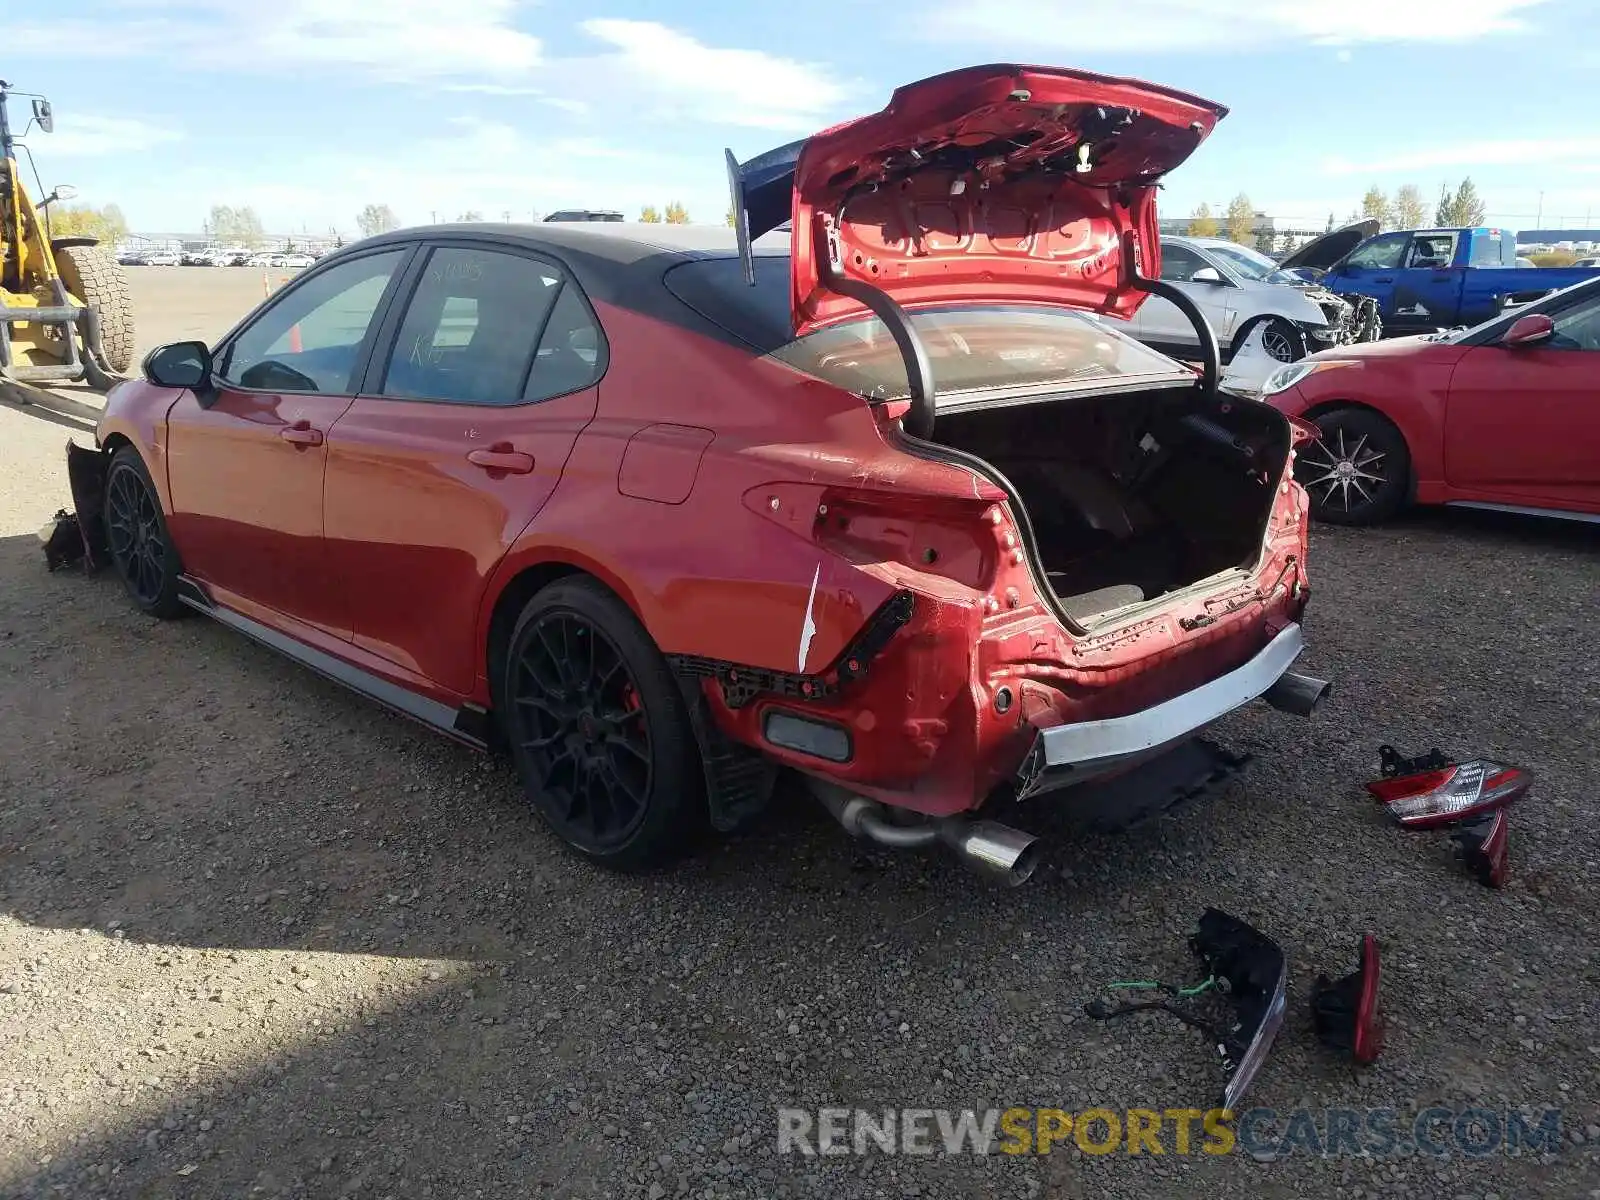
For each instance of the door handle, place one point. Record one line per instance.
(301, 434)
(501, 457)
(1384, 279)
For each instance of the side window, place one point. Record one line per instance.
(569, 353)
(310, 339)
(1381, 253)
(470, 330)
(1432, 251)
(1179, 263)
(1489, 250)
(1578, 328)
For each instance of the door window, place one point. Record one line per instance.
(1433, 251)
(1179, 263)
(1381, 253)
(310, 339)
(487, 327)
(1578, 328)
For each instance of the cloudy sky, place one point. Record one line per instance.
(309, 110)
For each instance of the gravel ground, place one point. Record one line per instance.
(259, 938)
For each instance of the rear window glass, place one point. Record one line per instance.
(976, 349)
(970, 348)
(1488, 249)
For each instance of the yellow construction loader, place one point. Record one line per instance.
(65, 314)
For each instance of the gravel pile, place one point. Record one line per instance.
(258, 938)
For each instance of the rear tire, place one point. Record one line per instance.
(600, 731)
(1358, 472)
(136, 534)
(96, 278)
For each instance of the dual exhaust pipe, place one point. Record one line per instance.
(998, 852)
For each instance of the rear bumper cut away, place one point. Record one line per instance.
(1067, 755)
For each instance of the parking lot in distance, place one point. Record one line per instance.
(259, 937)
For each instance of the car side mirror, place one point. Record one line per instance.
(179, 365)
(43, 115)
(1207, 275)
(1527, 331)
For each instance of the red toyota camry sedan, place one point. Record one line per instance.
(1505, 415)
(664, 510)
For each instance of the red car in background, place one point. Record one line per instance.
(1505, 415)
(663, 509)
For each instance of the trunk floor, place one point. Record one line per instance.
(1091, 604)
(1121, 571)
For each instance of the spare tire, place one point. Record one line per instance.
(97, 279)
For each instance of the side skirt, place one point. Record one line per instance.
(1526, 510)
(469, 724)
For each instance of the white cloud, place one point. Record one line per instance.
(395, 40)
(647, 70)
(1218, 25)
(82, 135)
(668, 75)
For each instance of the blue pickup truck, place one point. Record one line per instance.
(1427, 279)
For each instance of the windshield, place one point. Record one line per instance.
(1251, 264)
(978, 348)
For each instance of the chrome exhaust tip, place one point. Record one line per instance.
(1297, 694)
(989, 848)
(996, 851)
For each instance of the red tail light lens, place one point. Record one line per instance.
(1485, 847)
(1346, 1014)
(1451, 794)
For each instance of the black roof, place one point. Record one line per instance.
(624, 264)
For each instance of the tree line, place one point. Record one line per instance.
(673, 214)
(1406, 209)
(80, 220)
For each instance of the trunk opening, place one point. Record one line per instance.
(1131, 496)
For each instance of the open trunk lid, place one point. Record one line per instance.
(991, 184)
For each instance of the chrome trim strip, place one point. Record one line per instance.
(1092, 743)
(1526, 510)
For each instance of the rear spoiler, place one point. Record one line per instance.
(762, 196)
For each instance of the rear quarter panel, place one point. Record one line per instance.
(721, 573)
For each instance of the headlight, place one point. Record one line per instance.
(1285, 377)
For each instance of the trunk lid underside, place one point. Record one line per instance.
(993, 184)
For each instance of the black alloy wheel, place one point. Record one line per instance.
(1358, 471)
(600, 730)
(136, 535)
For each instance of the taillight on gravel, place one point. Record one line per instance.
(1485, 846)
(1346, 1013)
(1449, 795)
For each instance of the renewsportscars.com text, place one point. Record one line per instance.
(1261, 1132)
